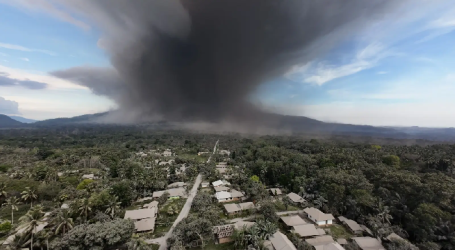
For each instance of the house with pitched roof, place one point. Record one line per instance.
(318, 217)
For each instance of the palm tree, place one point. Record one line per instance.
(3, 192)
(29, 194)
(383, 212)
(31, 220)
(238, 236)
(84, 208)
(12, 202)
(62, 221)
(113, 207)
(266, 228)
(137, 243)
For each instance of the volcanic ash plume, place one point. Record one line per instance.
(201, 60)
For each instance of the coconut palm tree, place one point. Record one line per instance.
(62, 221)
(31, 220)
(113, 207)
(266, 229)
(3, 192)
(12, 202)
(29, 195)
(238, 236)
(84, 208)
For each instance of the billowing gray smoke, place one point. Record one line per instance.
(201, 60)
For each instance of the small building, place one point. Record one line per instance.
(367, 230)
(176, 184)
(174, 193)
(205, 184)
(333, 246)
(308, 230)
(293, 220)
(223, 196)
(353, 226)
(275, 191)
(297, 199)
(220, 183)
(223, 233)
(225, 152)
(318, 217)
(236, 208)
(145, 199)
(237, 195)
(342, 241)
(202, 153)
(281, 242)
(319, 242)
(88, 176)
(368, 243)
(144, 219)
(153, 204)
(221, 188)
(167, 152)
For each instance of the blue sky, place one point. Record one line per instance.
(399, 71)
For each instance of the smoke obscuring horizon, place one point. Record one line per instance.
(201, 60)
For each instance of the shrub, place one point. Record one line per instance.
(84, 184)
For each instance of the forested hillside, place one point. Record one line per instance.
(81, 179)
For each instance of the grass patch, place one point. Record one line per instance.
(338, 231)
(280, 207)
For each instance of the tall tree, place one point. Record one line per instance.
(113, 207)
(12, 203)
(29, 195)
(84, 208)
(31, 220)
(62, 221)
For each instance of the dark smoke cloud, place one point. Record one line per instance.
(201, 60)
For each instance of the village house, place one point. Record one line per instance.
(333, 246)
(144, 219)
(295, 198)
(220, 183)
(176, 184)
(174, 193)
(223, 196)
(223, 233)
(342, 241)
(318, 217)
(236, 195)
(368, 243)
(308, 230)
(221, 188)
(275, 191)
(153, 204)
(222, 167)
(293, 220)
(144, 199)
(319, 242)
(225, 152)
(279, 241)
(351, 225)
(167, 152)
(205, 184)
(235, 208)
(89, 176)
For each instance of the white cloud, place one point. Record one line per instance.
(322, 72)
(53, 82)
(25, 59)
(22, 48)
(48, 7)
(8, 107)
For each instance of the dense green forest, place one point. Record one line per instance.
(409, 190)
